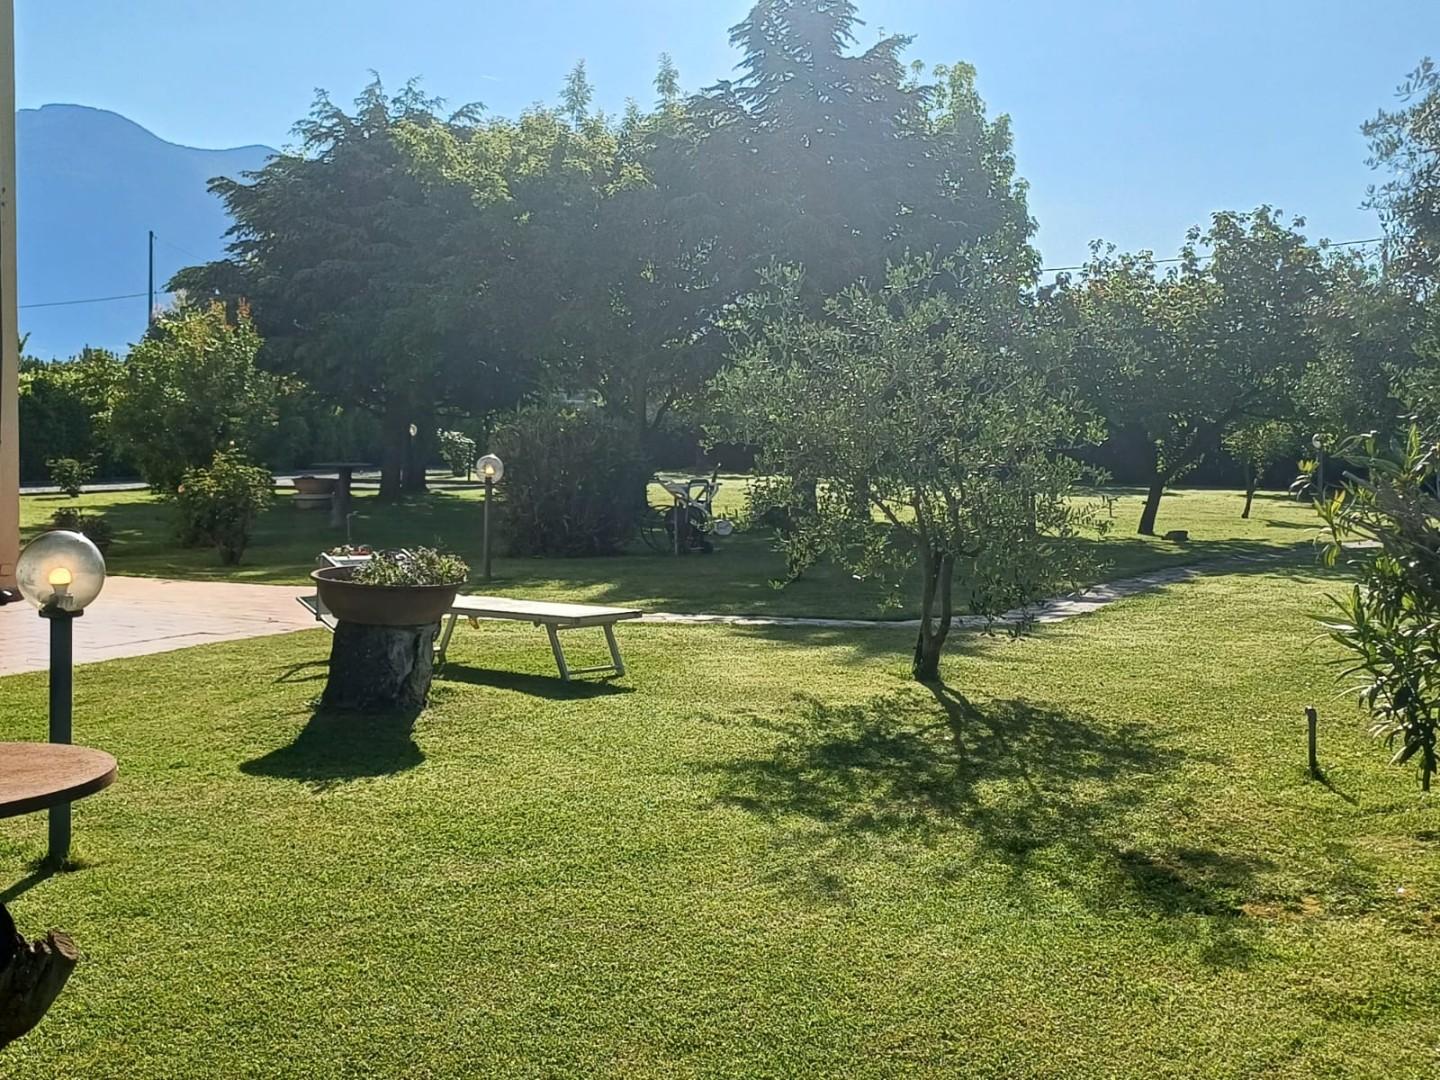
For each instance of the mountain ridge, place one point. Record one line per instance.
(91, 184)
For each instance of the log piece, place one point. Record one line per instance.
(32, 974)
(380, 668)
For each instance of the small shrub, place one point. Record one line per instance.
(415, 566)
(1384, 523)
(459, 451)
(93, 526)
(217, 505)
(70, 474)
(574, 482)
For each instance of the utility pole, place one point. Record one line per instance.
(150, 312)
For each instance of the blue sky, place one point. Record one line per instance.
(1133, 118)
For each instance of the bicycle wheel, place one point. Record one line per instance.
(653, 527)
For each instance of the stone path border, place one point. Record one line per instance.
(1049, 611)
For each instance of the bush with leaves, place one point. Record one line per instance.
(412, 566)
(189, 389)
(93, 526)
(934, 422)
(1385, 525)
(573, 482)
(219, 504)
(1257, 445)
(70, 475)
(459, 451)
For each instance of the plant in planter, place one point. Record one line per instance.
(387, 612)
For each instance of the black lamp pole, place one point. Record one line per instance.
(62, 662)
(489, 494)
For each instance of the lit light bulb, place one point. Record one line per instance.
(489, 469)
(60, 579)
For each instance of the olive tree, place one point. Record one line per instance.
(934, 429)
(1257, 445)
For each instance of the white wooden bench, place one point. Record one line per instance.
(553, 616)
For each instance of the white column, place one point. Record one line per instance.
(9, 312)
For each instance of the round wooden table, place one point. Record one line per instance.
(37, 776)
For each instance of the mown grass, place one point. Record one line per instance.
(767, 853)
(735, 580)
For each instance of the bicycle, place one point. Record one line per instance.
(693, 510)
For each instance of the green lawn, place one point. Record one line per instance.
(736, 579)
(763, 853)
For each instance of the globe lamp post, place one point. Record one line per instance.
(60, 573)
(1318, 442)
(492, 470)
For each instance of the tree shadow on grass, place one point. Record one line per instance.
(335, 746)
(1049, 798)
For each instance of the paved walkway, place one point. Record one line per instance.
(136, 616)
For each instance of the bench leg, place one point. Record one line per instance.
(559, 651)
(614, 649)
(444, 642)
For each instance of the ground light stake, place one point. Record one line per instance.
(60, 573)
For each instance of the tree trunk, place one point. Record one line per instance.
(395, 433)
(380, 668)
(1251, 483)
(1152, 505)
(936, 611)
(32, 974)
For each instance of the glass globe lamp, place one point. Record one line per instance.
(60, 571)
(491, 468)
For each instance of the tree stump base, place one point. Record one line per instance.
(380, 668)
(32, 974)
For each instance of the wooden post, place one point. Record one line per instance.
(9, 313)
(1311, 719)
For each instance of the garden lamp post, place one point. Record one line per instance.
(60, 573)
(1318, 442)
(492, 469)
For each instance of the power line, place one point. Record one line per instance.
(1044, 270)
(86, 300)
(1181, 258)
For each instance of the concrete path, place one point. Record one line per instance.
(136, 616)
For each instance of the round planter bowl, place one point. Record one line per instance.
(313, 485)
(381, 605)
